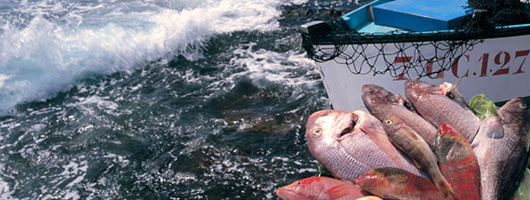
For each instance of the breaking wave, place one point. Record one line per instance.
(47, 47)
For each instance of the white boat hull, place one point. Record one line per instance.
(497, 67)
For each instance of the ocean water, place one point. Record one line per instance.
(156, 99)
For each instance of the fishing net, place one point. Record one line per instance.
(491, 13)
(406, 55)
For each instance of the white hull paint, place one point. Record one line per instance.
(498, 68)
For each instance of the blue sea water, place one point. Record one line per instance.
(155, 99)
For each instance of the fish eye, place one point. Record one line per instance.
(317, 131)
(523, 106)
(407, 105)
(450, 95)
(299, 182)
(388, 122)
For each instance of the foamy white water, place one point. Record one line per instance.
(47, 47)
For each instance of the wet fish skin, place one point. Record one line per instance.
(392, 183)
(373, 128)
(381, 103)
(458, 163)
(349, 144)
(375, 94)
(323, 129)
(500, 147)
(320, 188)
(437, 108)
(418, 150)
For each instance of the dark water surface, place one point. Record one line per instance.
(155, 99)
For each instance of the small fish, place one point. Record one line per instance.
(372, 127)
(458, 163)
(380, 102)
(416, 148)
(500, 147)
(437, 108)
(351, 144)
(320, 188)
(392, 183)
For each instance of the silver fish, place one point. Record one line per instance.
(500, 147)
(437, 108)
(351, 144)
(381, 102)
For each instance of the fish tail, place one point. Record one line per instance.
(444, 187)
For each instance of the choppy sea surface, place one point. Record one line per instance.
(156, 99)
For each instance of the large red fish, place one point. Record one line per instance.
(322, 188)
(458, 163)
(392, 183)
(351, 144)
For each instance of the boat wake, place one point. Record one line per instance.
(48, 47)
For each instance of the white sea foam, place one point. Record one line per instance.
(269, 66)
(5, 192)
(61, 42)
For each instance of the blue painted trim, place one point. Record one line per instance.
(361, 16)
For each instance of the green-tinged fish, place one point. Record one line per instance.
(437, 108)
(482, 106)
(381, 103)
(322, 188)
(458, 163)
(418, 150)
(351, 144)
(500, 147)
(392, 183)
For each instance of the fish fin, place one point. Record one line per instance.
(444, 187)
(455, 86)
(410, 132)
(398, 178)
(417, 164)
(337, 191)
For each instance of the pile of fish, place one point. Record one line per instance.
(430, 145)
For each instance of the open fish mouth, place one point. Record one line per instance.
(350, 127)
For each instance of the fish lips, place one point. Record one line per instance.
(375, 94)
(328, 126)
(288, 192)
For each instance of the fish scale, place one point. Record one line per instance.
(320, 188)
(360, 146)
(346, 150)
(381, 103)
(458, 163)
(438, 108)
(412, 144)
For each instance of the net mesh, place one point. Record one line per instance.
(406, 55)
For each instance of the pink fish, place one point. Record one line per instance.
(320, 188)
(351, 144)
(392, 183)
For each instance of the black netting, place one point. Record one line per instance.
(491, 13)
(403, 54)
(400, 59)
